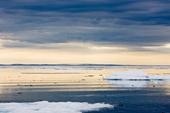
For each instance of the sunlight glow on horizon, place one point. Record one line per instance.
(79, 53)
(35, 56)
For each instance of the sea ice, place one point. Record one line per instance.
(135, 79)
(80, 67)
(127, 75)
(135, 75)
(51, 107)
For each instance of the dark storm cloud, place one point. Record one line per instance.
(152, 11)
(128, 23)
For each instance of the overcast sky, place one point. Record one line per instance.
(85, 31)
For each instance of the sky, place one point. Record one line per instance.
(133, 32)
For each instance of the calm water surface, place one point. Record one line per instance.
(30, 85)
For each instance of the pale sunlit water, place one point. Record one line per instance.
(31, 85)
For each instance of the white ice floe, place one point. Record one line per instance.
(51, 107)
(135, 75)
(135, 79)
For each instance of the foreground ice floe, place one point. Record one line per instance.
(136, 79)
(51, 107)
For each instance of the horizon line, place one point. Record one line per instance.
(86, 64)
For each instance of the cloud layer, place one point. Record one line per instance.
(130, 24)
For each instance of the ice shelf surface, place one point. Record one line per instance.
(51, 107)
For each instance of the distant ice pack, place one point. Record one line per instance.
(135, 79)
(51, 107)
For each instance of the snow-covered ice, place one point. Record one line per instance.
(51, 107)
(135, 79)
(133, 75)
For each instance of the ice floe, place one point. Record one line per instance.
(135, 79)
(51, 107)
(135, 75)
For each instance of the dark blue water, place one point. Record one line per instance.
(148, 100)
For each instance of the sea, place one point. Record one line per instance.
(68, 88)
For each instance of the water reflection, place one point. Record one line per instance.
(50, 80)
(138, 84)
(127, 83)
